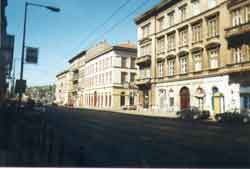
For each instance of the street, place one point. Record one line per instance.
(119, 140)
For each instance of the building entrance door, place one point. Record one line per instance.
(184, 98)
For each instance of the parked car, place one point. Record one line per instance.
(193, 113)
(234, 117)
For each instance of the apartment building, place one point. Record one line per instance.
(109, 73)
(62, 88)
(6, 51)
(191, 53)
(238, 37)
(75, 88)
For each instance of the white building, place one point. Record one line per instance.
(109, 73)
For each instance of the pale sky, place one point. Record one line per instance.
(60, 36)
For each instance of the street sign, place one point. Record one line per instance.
(20, 86)
(32, 55)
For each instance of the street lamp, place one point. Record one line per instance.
(53, 9)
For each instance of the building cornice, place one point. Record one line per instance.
(164, 4)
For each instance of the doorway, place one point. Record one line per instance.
(184, 98)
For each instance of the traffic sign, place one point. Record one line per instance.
(32, 55)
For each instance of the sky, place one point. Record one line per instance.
(60, 36)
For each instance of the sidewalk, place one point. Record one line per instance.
(141, 113)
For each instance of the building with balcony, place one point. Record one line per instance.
(238, 37)
(75, 87)
(185, 51)
(62, 88)
(109, 74)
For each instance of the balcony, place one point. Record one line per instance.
(146, 59)
(75, 77)
(232, 3)
(238, 30)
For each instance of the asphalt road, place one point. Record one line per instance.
(109, 139)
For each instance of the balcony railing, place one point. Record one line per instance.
(143, 59)
(238, 30)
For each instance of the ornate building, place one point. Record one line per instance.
(192, 53)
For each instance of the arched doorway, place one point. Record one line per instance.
(184, 98)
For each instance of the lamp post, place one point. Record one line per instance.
(53, 9)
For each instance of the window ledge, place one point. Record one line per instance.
(194, 43)
(160, 53)
(213, 37)
(183, 74)
(214, 69)
(172, 50)
(183, 46)
(197, 71)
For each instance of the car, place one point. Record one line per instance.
(234, 117)
(193, 113)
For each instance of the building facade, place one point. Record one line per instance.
(75, 87)
(109, 75)
(187, 56)
(6, 51)
(62, 88)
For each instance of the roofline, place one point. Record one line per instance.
(79, 55)
(60, 74)
(113, 48)
(156, 9)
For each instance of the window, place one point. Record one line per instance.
(195, 7)
(171, 18)
(124, 62)
(171, 67)
(145, 31)
(247, 14)
(161, 23)
(237, 17)
(171, 98)
(197, 56)
(161, 45)
(160, 69)
(171, 41)
(110, 98)
(110, 77)
(184, 64)
(246, 102)
(237, 55)
(213, 55)
(183, 12)
(183, 34)
(132, 77)
(131, 99)
(146, 50)
(107, 78)
(123, 77)
(132, 63)
(122, 101)
(212, 3)
(213, 27)
(197, 32)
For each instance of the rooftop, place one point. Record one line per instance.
(62, 73)
(104, 47)
(164, 4)
(79, 55)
